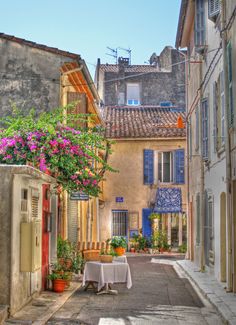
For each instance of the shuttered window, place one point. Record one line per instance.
(179, 166)
(213, 8)
(215, 112)
(199, 23)
(190, 137)
(148, 166)
(77, 105)
(119, 222)
(198, 219)
(73, 221)
(35, 206)
(230, 83)
(205, 129)
(24, 200)
(222, 102)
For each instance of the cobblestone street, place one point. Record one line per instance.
(158, 296)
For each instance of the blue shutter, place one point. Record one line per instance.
(146, 223)
(148, 166)
(179, 166)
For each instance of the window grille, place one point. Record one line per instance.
(213, 8)
(119, 222)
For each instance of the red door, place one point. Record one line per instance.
(45, 236)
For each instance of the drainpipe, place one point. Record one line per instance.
(202, 185)
(227, 150)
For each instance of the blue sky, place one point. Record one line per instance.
(87, 27)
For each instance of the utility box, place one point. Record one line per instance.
(30, 246)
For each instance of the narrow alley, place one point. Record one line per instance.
(159, 295)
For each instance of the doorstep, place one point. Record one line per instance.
(42, 308)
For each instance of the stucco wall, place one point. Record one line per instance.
(165, 85)
(127, 158)
(30, 77)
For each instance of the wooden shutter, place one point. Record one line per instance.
(148, 166)
(222, 103)
(214, 93)
(198, 219)
(199, 23)
(80, 107)
(213, 8)
(179, 166)
(146, 223)
(230, 77)
(73, 221)
(197, 128)
(205, 129)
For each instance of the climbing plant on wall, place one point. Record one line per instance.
(76, 157)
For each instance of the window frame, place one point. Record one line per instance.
(132, 101)
(162, 167)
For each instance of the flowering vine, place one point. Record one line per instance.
(76, 157)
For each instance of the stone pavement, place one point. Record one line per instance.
(224, 302)
(158, 296)
(161, 294)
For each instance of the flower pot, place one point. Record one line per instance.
(132, 250)
(119, 251)
(58, 285)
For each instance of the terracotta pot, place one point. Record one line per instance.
(58, 285)
(132, 250)
(119, 251)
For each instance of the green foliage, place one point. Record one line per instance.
(159, 240)
(76, 157)
(54, 276)
(154, 216)
(64, 248)
(182, 248)
(118, 241)
(108, 252)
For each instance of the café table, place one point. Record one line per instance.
(107, 273)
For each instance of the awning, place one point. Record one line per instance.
(168, 200)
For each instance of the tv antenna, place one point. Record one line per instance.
(113, 53)
(126, 50)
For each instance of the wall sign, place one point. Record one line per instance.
(79, 196)
(119, 199)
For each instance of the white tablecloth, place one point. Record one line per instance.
(121, 259)
(103, 273)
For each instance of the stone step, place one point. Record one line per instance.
(3, 313)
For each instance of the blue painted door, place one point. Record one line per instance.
(146, 223)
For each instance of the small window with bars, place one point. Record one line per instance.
(119, 222)
(24, 200)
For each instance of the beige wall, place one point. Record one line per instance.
(127, 158)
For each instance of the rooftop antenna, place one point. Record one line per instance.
(113, 53)
(128, 51)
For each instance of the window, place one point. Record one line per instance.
(24, 200)
(165, 167)
(205, 129)
(190, 138)
(119, 222)
(200, 23)
(213, 9)
(133, 94)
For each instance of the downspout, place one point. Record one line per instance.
(202, 184)
(227, 149)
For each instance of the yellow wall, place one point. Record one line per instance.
(127, 157)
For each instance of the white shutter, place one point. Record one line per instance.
(213, 8)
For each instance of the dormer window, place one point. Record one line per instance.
(133, 94)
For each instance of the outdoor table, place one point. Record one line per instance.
(106, 273)
(121, 259)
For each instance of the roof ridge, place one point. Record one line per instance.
(43, 47)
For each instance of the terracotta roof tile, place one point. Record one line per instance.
(39, 46)
(129, 68)
(142, 122)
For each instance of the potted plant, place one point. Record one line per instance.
(119, 244)
(64, 252)
(58, 281)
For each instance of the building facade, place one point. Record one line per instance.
(205, 29)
